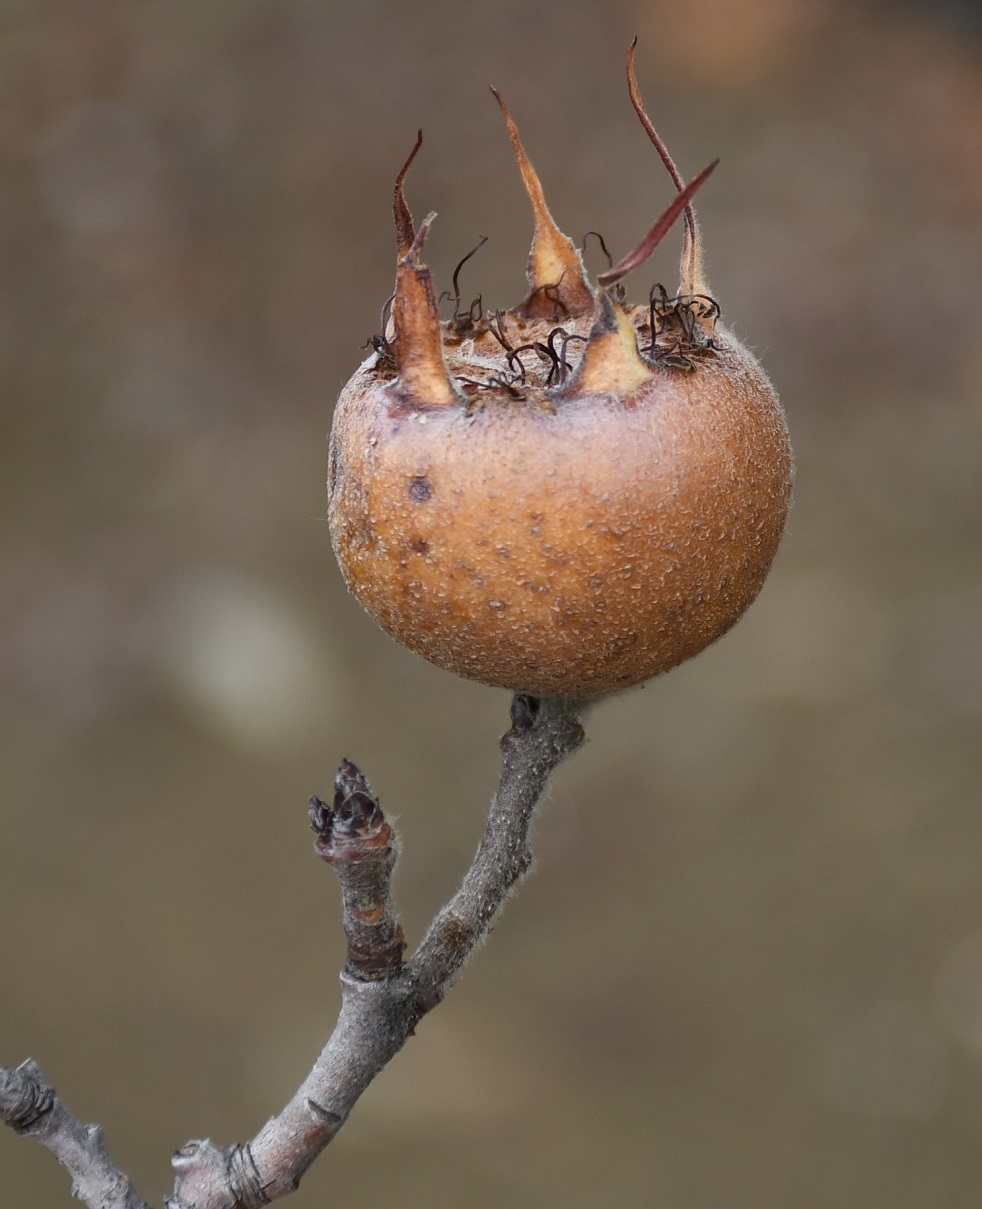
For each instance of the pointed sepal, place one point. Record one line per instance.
(555, 268)
(418, 343)
(401, 214)
(611, 362)
(692, 277)
(663, 224)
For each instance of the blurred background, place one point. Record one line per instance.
(767, 991)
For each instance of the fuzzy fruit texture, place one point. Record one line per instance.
(567, 498)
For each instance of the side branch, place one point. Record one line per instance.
(381, 1008)
(353, 836)
(29, 1105)
(383, 998)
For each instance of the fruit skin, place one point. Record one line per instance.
(577, 551)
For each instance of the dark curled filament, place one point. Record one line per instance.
(603, 246)
(386, 358)
(617, 291)
(462, 321)
(385, 354)
(546, 350)
(679, 319)
(510, 385)
(567, 340)
(551, 291)
(386, 313)
(496, 327)
(559, 367)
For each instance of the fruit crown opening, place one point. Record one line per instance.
(415, 342)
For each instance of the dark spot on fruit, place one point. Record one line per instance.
(420, 489)
(420, 545)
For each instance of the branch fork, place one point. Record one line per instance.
(383, 996)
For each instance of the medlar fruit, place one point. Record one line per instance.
(564, 498)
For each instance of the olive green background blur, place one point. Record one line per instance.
(748, 970)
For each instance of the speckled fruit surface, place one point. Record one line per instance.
(578, 549)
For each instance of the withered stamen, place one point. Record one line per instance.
(603, 246)
(460, 264)
(550, 291)
(496, 328)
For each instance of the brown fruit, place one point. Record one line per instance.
(565, 498)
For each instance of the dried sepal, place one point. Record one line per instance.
(405, 231)
(611, 363)
(663, 224)
(691, 277)
(418, 344)
(555, 268)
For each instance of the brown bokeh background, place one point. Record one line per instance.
(748, 971)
